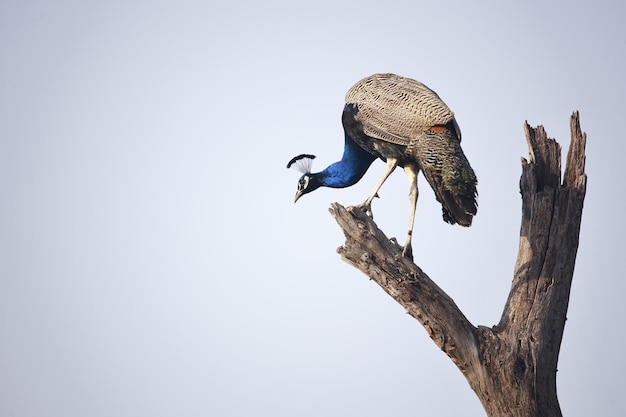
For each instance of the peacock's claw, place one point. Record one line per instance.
(367, 209)
(407, 251)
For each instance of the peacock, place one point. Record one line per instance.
(406, 124)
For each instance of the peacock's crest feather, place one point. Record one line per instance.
(302, 163)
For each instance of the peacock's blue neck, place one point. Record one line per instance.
(350, 169)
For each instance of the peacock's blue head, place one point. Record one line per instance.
(308, 182)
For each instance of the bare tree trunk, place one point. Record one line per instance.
(511, 366)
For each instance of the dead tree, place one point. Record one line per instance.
(511, 366)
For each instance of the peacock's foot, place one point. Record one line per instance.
(407, 251)
(366, 206)
(367, 209)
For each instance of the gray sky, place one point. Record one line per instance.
(152, 261)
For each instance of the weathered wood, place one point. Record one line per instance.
(368, 249)
(510, 366)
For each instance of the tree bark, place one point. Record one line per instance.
(511, 366)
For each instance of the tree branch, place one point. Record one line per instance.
(369, 250)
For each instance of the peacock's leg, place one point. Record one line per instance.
(411, 172)
(392, 163)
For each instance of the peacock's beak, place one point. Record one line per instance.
(298, 195)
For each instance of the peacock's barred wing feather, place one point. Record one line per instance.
(397, 109)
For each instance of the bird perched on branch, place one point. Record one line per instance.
(406, 124)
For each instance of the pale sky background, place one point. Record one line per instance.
(152, 262)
